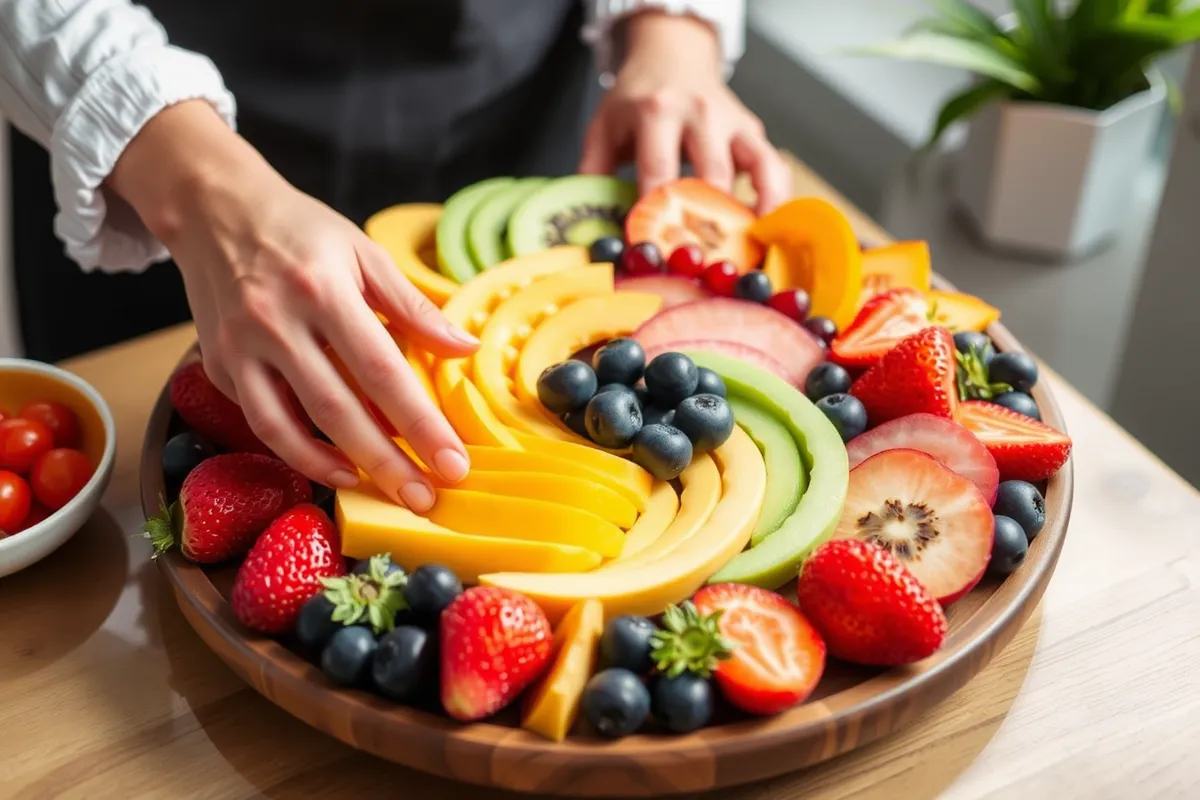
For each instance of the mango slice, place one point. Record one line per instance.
(653, 522)
(552, 705)
(530, 460)
(597, 458)
(581, 324)
(473, 419)
(650, 588)
(701, 493)
(891, 266)
(961, 312)
(371, 523)
(408, 233)
(568, 490)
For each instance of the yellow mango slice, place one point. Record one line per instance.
(370, 523)
(701, 493)
(552, 705)
(497, 459)
(485, 514)
(470, 415)
(622, 469)
(417, 361)
(653, 522)
(568, 490)
(961, 312)
(650, 588)
(475, 300)
(408, 233)
(581, 324)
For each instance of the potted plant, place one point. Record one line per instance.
(1063, 111)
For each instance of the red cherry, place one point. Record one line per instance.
(687, 261)
(822, 327)
(720, 277)
(642, 259)
(792, 303)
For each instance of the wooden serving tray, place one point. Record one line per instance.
(851, 707)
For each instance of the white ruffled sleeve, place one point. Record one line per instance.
(82, 77)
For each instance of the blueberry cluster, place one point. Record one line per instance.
(828, 385)
(1020, 513)
(1005, 379)
(665, 411)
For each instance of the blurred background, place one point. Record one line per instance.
(1119, 321)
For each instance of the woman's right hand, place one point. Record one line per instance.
(272, 277)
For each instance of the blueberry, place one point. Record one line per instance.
(1016, 369)
(325, 498)
(709, 382)
(616, 703)
(404, 661)
(607, 249)
(670, 378)
(653, 415)
(823, 328)
(315, 623)
(1022, 502)
(754, 286)
(706, 419)
(825, 379)
(346, 659)
(966, 341)
(637, 394)
(625, 643)
(847, 414)
(182, 454)
(682, 704)
(567, 386)
(1019, 402)
(662, 450)
(619, 361)
(577, 421)
(1009, 546)
(430, 588)
(613, 418)
(363, 567)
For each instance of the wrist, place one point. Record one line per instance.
(685, 41)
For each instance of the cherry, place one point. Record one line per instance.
(792, 303)
(687, 261)
(642, 259)
(822, 327)
(720, 277)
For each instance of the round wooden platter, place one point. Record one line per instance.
(851, 707)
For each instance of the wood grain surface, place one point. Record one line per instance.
(109, 694)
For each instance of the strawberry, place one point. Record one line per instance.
(918, 376)
(285, 568)
(203, 407)
(868, 606)
(224, 504)
(881, 324)
(1024, 449)
(778, 656)
(494, 643)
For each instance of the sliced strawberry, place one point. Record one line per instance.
(674, 290)
(881, 324)
(932, 520)
(778, 657)
(739, 321)
(742, 352)
(1024, 449)
(947, 441)
(918, 376)
(691, 211)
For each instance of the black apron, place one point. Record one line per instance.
(360, 103)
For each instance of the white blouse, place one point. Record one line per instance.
(83, 76)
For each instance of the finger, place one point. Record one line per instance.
(599, 153)
(409, 312)
(268, 410)
(657, 151)
(205, 320)
(770, 175)
(708, 148)
(385, 376)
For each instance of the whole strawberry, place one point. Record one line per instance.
(202, 406)
(224, 504)
(868, 606)
(284, 569)
(495, 642)
(917, 376)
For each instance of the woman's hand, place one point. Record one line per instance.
(669, 93)
(273, 277)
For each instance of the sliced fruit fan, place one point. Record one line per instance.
(712, 454)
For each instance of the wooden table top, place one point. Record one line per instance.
(107, 693)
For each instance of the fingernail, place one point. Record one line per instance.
(343, 479)
(451, 464)
(459, 335)
(417, 496)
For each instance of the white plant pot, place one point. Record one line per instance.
(1055, 181)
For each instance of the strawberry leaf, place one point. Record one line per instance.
(376, 596)
(161, 530)
(691, 642)
(973, 380)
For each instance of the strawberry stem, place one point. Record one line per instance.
(973, 380)
(162, 530)
(691, 642)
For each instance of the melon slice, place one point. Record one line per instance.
(674, 291)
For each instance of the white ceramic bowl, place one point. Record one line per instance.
(22, 381)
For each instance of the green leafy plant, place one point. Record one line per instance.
(1088, 53)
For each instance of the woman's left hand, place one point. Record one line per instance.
(669, 96)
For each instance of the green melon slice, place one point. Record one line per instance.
(453, 259)
(488, 226)
(787, 475)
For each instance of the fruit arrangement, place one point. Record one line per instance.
(710, 454)
(41, 465)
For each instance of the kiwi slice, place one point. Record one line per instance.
(578, 209)
(453, 259)
(488, 225)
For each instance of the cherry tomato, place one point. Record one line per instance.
(61, 421)
(22, 442)
(3, 416)
(58, 476)
(14, 502)
(37, 513)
